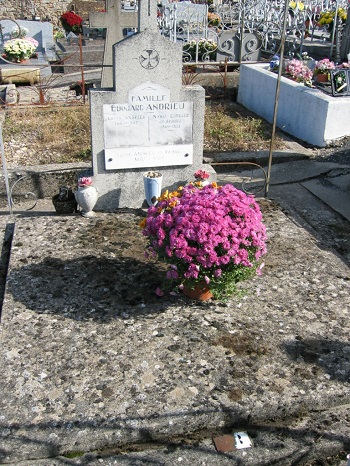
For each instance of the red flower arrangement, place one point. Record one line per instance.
(71, 21)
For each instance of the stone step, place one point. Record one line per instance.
(327, 181)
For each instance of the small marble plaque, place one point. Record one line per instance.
(135, 157)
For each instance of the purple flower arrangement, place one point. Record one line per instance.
(208, 234)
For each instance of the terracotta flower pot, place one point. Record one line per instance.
(322, 78)
(200, 292)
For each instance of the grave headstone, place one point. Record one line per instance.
(189, 19)
(40, 31)
(149, 121)
(72, 38)
(43, 33)
(115, 19)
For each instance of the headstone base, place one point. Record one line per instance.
(126, 189)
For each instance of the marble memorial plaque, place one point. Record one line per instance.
(148, 131)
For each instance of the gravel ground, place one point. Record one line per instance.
(337, 152)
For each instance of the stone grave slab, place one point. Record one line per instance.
(308, 114)
(84, 367)
(20, 76)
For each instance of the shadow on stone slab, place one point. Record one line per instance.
(275, 443)
(332, 357)
(89, 288)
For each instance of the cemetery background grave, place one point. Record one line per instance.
(306, 113)
(37, 68)
(114, 20)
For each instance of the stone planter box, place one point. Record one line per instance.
(308, 114)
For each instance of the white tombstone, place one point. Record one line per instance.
(149, 121)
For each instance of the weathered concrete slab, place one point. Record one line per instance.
(333, 192)
(20, 76)
(270, 446)
(91, 358)
(292, 172)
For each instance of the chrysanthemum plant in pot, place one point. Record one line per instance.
(212, 236)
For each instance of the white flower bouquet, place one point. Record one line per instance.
(18, 50)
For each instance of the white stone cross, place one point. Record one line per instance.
(114, 19)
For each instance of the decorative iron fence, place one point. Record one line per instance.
(242, 30)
